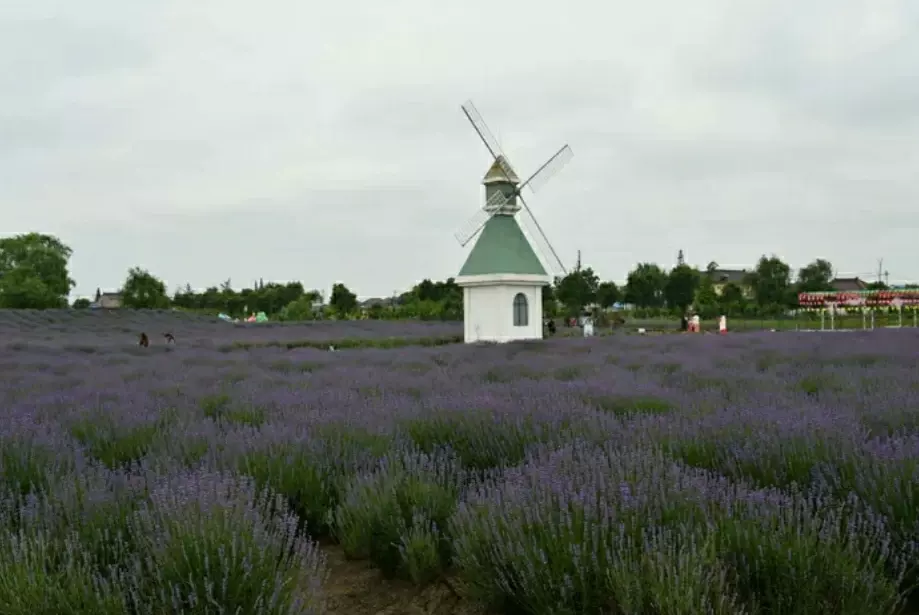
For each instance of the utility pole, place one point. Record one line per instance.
(883, 273)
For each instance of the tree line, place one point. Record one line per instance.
(34, 274)
(769, 289)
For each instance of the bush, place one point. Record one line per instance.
(396, 515)
(41, 575)
(583, 529)
(210, 539)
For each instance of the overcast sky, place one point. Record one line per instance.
(324, 142)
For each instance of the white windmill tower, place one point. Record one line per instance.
(503, 277)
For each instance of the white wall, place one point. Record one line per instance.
(489, 313)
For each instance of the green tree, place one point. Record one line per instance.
(680, 290)
(185, 298)
(426, 290)
(211, 299)
(34, 272)
(706, 299)
(577, 289)
(645, 286)
(300, 309)
(143, 291)
(815, 277)
(771, 283)
(376, 311)
(81, 304)
(431, 300)
(342, 301)
(451, 299)
(732, 300)
(282, 294)
(549, 301)
(608, 294)
(271, 297)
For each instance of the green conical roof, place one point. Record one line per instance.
(502, 248)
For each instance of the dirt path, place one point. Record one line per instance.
(355, 588)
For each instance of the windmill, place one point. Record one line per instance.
(504, 201)
(503, 267)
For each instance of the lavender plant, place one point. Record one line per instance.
(393, 514)
(213, 542)
(39, 574)
(311, 469)
(571, 534)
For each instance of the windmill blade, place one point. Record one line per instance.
(541, 236)
(495, 202)
(475, 118)
(473, 226)
(549, 168)
(540, 244)
(535, 240)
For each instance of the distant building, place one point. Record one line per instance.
(848, 284)
(722, 277)
(107, 301)
(376, 303)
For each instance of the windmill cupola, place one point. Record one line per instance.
(500, 172)
(501, 178)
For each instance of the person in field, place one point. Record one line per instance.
(144, 340)
(684, 323)
(170, 338)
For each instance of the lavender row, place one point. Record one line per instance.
(110, 329)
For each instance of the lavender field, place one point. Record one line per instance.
(758, 473)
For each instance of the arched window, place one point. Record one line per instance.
(521, 311)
